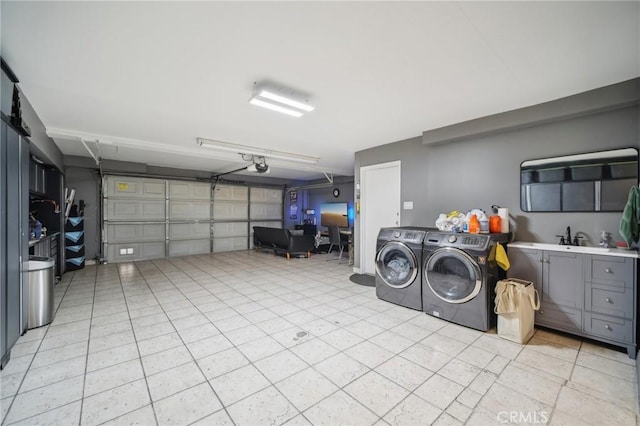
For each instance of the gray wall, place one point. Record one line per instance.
(86, 182)
(312, 194)
(481, 171)
(41, 144)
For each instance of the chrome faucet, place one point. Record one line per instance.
(605, 239)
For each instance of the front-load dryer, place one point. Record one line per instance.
(459, 277)
(398, 261)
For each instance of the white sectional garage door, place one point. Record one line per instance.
(265, 209)
(134, 218)
(147, 218)
(230, 217)
(189, 218)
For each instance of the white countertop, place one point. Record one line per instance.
(619, 252)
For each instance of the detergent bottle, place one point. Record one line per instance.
(474, 224)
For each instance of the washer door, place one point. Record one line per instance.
(453, 275)
(397, 265)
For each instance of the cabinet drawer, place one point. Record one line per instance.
(616, 301)
(562, 318)
(611, 271)
(616, 329)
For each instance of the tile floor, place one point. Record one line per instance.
(247, 338)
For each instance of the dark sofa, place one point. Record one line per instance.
(282, 242)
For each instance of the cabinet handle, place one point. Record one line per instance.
(541, 312)
(540, 260)
(608, 271)
(607, 327)
(547, 261)
(608, 300)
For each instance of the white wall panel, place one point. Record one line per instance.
(184, 231)
(134, 210)
(134, 232)
(230, 193)
(131, 187)
(189, 210)
(189, 190)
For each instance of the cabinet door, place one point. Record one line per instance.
(13, 267)
(563, 279)
(526, 264)
(3, 245)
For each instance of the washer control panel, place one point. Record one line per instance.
(446, 239)
(413, 236)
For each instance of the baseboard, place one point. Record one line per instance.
(356, 270)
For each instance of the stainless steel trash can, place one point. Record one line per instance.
(41, 281)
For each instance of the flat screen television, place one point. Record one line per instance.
(334, 214)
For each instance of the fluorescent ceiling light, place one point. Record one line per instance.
(274, 107)
(244, 149)
(284, 100)
(279, 99)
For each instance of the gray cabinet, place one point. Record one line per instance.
(14, 196)
(610, 300)
(37, 178)
(589, 295)
(558, 278)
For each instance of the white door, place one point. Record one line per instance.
(379, 207)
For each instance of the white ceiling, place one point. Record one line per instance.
(162, 74)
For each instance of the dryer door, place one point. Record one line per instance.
(452, 275)
(397, 265)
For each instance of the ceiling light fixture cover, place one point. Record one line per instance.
(245, 149)
(280, 99)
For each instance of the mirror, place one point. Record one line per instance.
(590, 182)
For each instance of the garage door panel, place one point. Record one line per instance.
(230, 193)
(230, 229)
(266, 195)
(229, 244)
(135, 251)
(148, 218)
(130, 187)
(127, 232)
(135, 210)
(266, 211)
(186, 231)
(187, 247)
(230, 210)
(189, 210)
(189, 191)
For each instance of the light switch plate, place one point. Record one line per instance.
(408, 205)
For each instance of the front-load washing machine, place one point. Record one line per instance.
(459, 277)
(398, 261)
